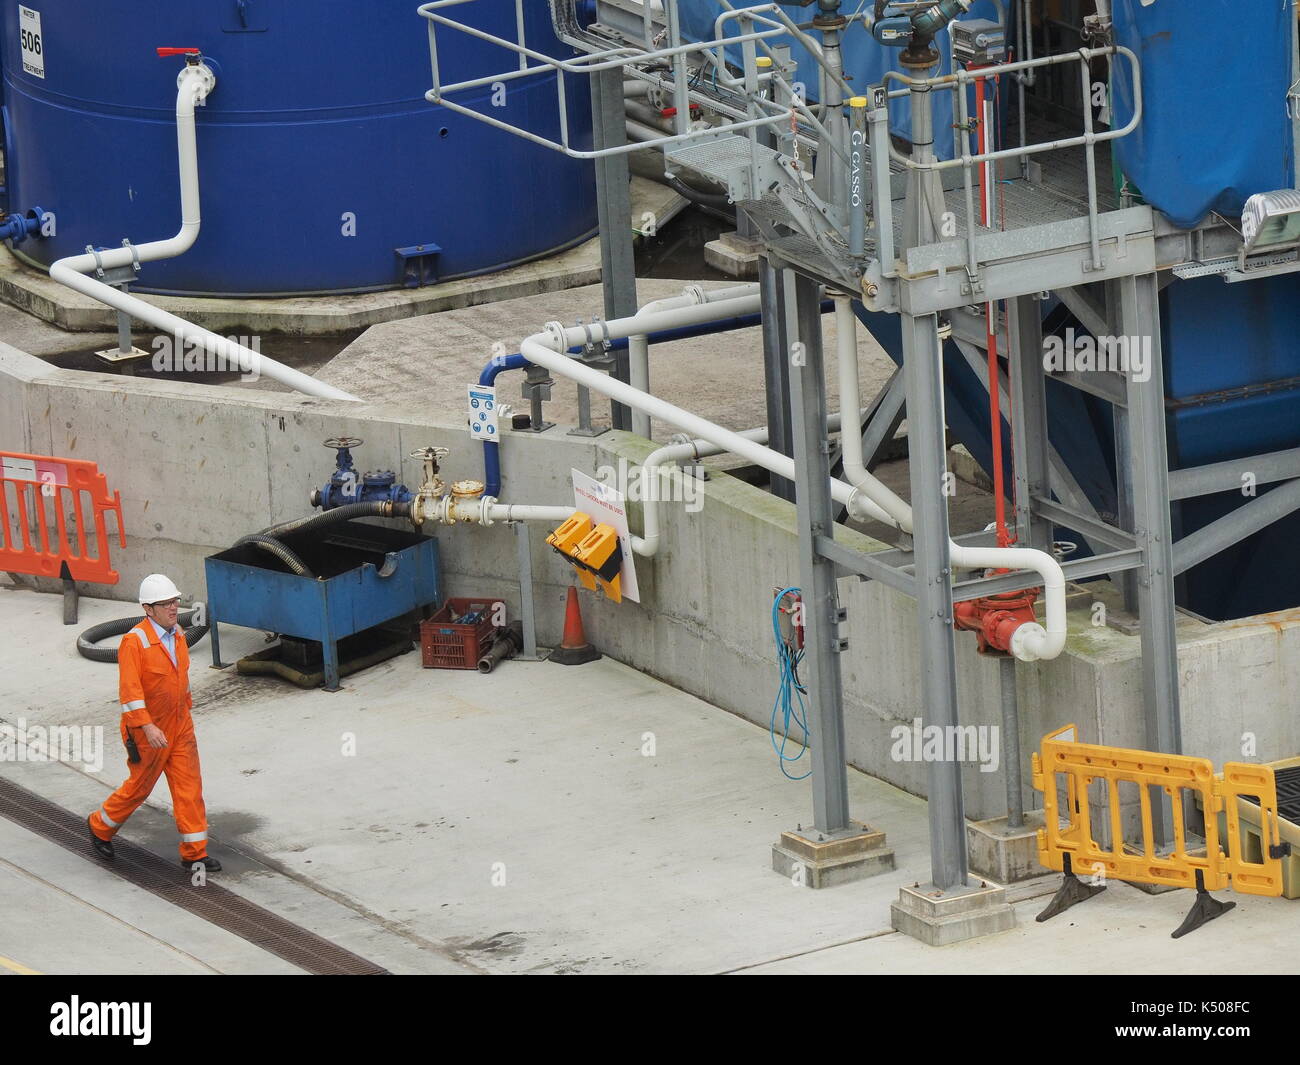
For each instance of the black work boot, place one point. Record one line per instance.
(209, 863)
(103, 847)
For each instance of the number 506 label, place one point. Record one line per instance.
(29, 33)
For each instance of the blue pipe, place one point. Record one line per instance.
(500, 363)
(19, 226)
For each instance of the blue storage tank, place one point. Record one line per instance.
(318, 117)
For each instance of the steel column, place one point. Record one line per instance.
(1011, 742)
(1139, 320)
(614, 214)
(1029, 422)
(527, 612)
(776, 369)
(803, 326)
(927, 448)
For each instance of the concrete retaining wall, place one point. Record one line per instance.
(198, 466)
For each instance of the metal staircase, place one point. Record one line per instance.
(777, 194)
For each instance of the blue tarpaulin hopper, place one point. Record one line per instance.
(1215, 76)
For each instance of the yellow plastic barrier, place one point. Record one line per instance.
(1066, 841)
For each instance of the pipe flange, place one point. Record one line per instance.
(1029, 632)
(696, 293)
(824, 21)
(486, 503)
(207, 80)
(467, 489)
(558, 334)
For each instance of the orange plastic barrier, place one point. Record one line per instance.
(38, 485)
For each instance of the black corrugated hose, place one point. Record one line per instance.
(87, 640)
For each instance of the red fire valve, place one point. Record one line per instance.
(995, 618)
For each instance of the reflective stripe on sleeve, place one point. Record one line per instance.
(134, 704)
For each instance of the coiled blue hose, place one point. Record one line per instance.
(789, 694)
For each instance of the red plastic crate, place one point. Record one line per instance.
(445, 644)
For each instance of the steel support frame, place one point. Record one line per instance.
(817, 573)
(614, 212)
(776, 368)
(927, 448)
(1139, 316)
(1029, 439)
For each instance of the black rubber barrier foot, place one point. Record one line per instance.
(1205, 909)
(70, 600)
(1071, 892)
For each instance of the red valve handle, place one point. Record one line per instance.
(178, 51)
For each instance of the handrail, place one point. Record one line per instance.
(951, 81)
(595, 62)
(957, 82)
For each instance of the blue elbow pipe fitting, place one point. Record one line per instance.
(18, 227)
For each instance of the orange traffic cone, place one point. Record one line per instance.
(574, 649)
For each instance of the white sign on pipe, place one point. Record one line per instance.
(606, 506)
(33, 45)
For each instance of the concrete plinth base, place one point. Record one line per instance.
(1007, 855)
(953, 915)
(734, 255)
(819, 863)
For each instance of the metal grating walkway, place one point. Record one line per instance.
(171, 883)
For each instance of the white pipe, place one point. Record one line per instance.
(638, 346)
(639, 131)
(194, 84)
(1031, 641)
(855, 469)
(671, 454)
(544, 349)
(485, 510)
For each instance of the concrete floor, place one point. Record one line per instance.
(612, 861)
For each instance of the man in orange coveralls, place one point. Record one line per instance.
(153, 664)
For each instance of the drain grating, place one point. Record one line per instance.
(1288, 793)
(170, 882)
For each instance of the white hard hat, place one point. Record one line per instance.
(156, 588)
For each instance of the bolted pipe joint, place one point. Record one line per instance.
(18, 227)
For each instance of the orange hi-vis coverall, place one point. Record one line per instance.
(153, 690)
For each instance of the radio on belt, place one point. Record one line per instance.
(979, 42)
